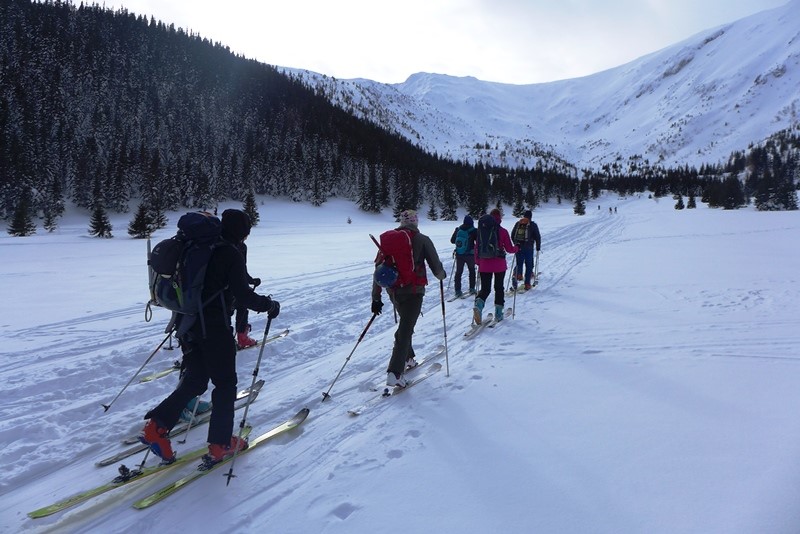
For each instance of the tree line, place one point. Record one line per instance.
(110, 111)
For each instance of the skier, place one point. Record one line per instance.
(525, 234)
(243, 340)
(407, 300)
(464, 240)
(492, 266)
(213, 355)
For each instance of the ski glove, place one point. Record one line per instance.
(377, 307)
(274, 310)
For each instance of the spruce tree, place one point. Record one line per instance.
(142, 225)
(99, 225)
(432, 214)
(250, 207)
(679, 204)
(579, 208)
(22, 223)
(692, 204)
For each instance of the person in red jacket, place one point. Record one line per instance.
(492, 263)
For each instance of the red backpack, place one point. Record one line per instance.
(396, 260)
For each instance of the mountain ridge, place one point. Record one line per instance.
(694, 102)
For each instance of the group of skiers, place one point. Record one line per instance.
(484, 247)
(209, 349)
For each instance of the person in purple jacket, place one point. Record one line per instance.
(491, 246)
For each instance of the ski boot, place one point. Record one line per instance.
(156, 437)
(477, 311)
(218, 453)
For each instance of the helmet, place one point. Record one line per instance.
(385, 276)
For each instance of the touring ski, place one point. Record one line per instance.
(387, 392)
(430, 357)
(125, 477)
(475, 329)
(268, 340)
(506, 315)
(169, 489)
(176, 365)
(465, 296)
(179, 429)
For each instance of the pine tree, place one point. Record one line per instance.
(692, 204)
(250, 207)
(142, 224)
(679, 204)
(579, 208)
(99, 225)
(22, 223)
(432, 214)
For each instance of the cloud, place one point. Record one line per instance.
(513, 41)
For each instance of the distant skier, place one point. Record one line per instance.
(464, 240)
(525, 234)
(491, 246)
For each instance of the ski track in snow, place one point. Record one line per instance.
(301, 366)
(81, 359)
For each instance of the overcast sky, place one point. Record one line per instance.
(511, 41)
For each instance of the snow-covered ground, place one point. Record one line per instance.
(649, 384)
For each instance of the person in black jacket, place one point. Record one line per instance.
(210, 351)
(243, 339)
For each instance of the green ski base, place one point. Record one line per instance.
(169, 489)
(134, 476)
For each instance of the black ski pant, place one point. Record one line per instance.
(408, 307)
(469, 261)
(486, 287)
(212, 358)
(241, 320)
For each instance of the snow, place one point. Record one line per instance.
(692, 103)
(647, 385)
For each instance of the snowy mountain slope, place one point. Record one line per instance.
(691, 103)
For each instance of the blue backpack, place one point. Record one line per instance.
(178, 265)
(462, 240)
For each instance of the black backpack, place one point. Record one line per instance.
(177, 266)
(488, 245)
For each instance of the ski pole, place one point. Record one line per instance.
(326, 394)
(192, 419)
(514, 305)
(513, 273)
(444, 327)
(452, 269)
(536, 269)
(107, 406)
(230, 474)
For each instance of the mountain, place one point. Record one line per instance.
(694, 102)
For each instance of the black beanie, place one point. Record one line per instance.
(235, 225)
(528, 214)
